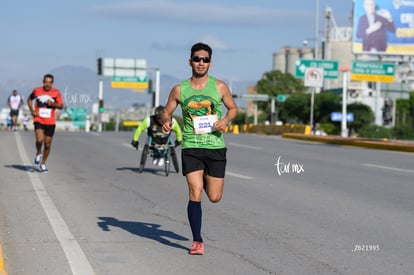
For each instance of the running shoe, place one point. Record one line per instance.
(197, 248)
(161, 162)
(43, 168)
(37, 159)
(155, 161)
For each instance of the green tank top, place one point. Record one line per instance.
(198, 103)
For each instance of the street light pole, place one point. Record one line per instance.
(316, 30)
(312, 107)
(100, 98)
(344, 129)
(157, 87)
(315, 56)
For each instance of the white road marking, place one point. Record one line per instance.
(245, 146)
(238, 175)
(389, 168)
(77, 260)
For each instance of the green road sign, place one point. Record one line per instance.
(78, 116)
(129, 79)
(372, 71)
(78, 112)
(79, 121)
(281, 98)
(330, 67)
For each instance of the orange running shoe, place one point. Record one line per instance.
(197, 248)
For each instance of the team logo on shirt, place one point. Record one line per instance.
(200, 105)
(42, 100)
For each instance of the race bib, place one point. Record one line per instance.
(204, 124)
(45, 112)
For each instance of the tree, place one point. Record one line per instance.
(274, 83)
(325, 104)
(412, 108)
(403, 113)
(295, 109)
(404, 120)
(363, 116)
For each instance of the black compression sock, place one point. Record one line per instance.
(194, 217)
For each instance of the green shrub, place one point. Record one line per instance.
(403, 132)
(374, 131)
(240, 118)
(329, 128)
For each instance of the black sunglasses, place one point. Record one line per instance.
(199, 58)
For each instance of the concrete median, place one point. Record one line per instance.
(395, 145)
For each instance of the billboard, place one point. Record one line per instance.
(383, 27)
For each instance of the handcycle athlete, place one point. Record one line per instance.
(159, 145)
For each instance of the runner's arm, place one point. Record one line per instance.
(30, 105)
(172, 103)
(141, 128)
(231, 106)
(177, 129)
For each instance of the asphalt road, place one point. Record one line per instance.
(289, 207)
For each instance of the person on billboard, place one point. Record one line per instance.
(373, 26)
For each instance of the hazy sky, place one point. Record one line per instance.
(37, 36)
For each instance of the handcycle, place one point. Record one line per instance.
(166, 151)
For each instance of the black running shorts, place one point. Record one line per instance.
(49, 130)
(212, 161)
(14, 113)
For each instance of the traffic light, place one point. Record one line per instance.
(99, 63)
(101, 106)
(150, 91)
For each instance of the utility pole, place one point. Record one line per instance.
(344, 129)
(317, 30)
(316, 55)
(157, 87)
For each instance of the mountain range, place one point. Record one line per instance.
(79, 88)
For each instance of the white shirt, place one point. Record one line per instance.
(15, 102)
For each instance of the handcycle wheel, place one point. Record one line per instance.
(174, 159)
(167, 166)
(143, 158)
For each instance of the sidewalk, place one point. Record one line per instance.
(8, 158)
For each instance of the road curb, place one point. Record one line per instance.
(2, 269)
(359, 142)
